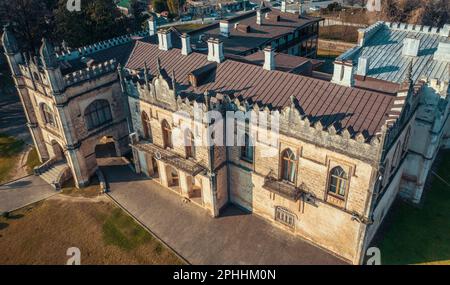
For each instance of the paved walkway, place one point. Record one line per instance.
(22, 192)
(234, 238)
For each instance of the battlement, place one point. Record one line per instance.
(90, 72)
(443, 32)
(365, 34)
(86, 50)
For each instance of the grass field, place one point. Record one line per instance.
(421, 235)
(10, 149)
(42, 233)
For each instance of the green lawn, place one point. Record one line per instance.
(421, 235)
(10, 149)
(32, 160)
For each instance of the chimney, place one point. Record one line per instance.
(301, 9)
(283, 6)
(185, 44)
(259, 17)
(269, 58)
(443, 52)
(363, 66)
(164, 39)
(151, 26)
(224, 28)
(411, 47)
(215, 50)
(343, 73)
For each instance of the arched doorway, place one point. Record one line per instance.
(155, 168)
(173, 178)
(58, 151)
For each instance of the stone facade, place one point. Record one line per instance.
(144, 114)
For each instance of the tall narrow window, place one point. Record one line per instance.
(406, 141)
(98, 113)
(145, 125)
(338, 182)
(189, 143)
(247, 149)
(397, 157)
(167, 134)
(288, 166)
(48, 115)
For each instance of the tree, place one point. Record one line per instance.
(159, 5)
(98, 20)
(30, 19)
(136, 11)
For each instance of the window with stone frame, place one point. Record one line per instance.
(288, 168)
(406, 141)
(48, 115)
(247, 149)
(98, 113)
(338, 182)
(189, 144)
(396, 157)
(146, 126)
(167, 134)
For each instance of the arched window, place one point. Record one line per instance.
(288, 166)
(189, 144)
(167, 134)
(396, 157)
(97, 113)
(406, 141)
(386, 172)
(146, 128)
(338, 181)
(247, 149)
(48, 115)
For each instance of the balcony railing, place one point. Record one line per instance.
(181, 163)
(283, 188)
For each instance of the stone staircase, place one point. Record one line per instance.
(51, 174)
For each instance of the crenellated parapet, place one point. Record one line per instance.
(291, 122)
(90, 72)
(86, 50)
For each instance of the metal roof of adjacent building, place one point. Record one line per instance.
(387, 62)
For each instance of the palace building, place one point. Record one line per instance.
(346, 148)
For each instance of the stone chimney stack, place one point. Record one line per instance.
(152, 27)
(185, 44)
(363, 66)
(343, 73)
(259, 17)
(215, 50)
(269, 58)
(164, 40)
(411, 47)
(283, 6)
(224, 28)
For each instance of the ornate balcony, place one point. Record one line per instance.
(181, 163)
(282, 188)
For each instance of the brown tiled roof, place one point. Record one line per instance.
(331, 104)
(283, 61)
(257, 35)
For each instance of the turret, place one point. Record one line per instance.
(51, 67)
(12, 51)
